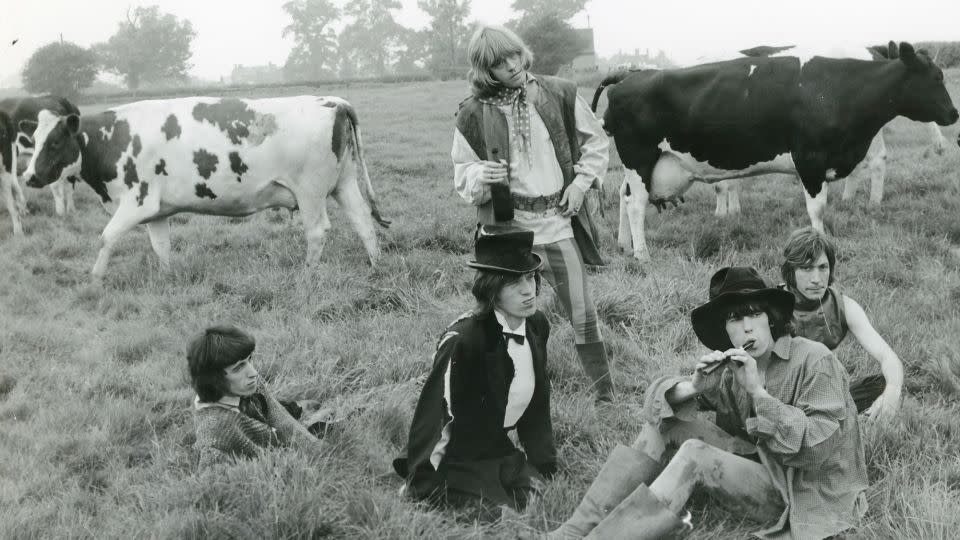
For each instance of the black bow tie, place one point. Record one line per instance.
(516, 337)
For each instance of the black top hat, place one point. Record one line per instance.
(729, 286)
(506, 249)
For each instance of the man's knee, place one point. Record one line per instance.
(694, 449)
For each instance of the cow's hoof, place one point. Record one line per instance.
(626, 250)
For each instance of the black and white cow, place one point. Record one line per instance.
(24, 111)
(752, 116)
(8, 171)
(229, 157)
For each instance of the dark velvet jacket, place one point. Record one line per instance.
(480, 376)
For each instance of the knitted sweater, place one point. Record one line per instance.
(224, 432)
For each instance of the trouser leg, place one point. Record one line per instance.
(563, 268)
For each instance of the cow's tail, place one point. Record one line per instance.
(366, 188)
(613, 78)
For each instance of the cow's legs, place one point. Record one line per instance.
(815, 207)
(938, 143)
(69, 190)
(6, 185)
(728, 197)
(733, 195)
(358, 212)
(19, 196)
(623, 233)
(56, 189)
(127, 216)
(159, 231)
(635, 205)
(850, 184)
(878, 167)
(721, 188)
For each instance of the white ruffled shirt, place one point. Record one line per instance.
(539, 173)
(522, 385)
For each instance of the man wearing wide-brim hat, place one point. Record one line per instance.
(785, 449)
(481, 436)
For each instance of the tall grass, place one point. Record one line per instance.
(95, 422)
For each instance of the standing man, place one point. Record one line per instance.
(525, 150)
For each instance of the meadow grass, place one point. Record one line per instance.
(95, 421)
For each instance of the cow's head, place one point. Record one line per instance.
(56, 148)
(923, 96)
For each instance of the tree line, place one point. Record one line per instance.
(347, 40)
(357, 38)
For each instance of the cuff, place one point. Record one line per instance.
(657, 408)
(583, 182)
(764, 424)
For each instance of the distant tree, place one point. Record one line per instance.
(564, 9)
(370, 43)
(149, 46)
(65, 69)
(447, 35)
(314, 55)
(413, 54)
(554, 43)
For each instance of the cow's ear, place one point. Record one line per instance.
(73, 123)
(907, 55)
(878, 52)
(27, 126)
(892, 51)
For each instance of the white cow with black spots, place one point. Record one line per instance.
(9, 187)
(229, 157)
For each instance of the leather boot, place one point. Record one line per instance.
(625, 469)
(593, 356)
(641, 516)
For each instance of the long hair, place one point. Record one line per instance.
(780, 322)
(487, 286)
(210, 352)
(803, 248)
(489, 46)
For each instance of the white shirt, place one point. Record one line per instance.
(524, 380)
(538, 174)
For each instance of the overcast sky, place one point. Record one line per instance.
(235, 32)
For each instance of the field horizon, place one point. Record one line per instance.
(96, 428)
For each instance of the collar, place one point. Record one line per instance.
(521, 330)
(782, 346)
(232, 402)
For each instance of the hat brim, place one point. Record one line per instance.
(534, 262)
(709, 321)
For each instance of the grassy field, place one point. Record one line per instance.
(95, 422)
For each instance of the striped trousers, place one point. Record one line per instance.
(563, 268)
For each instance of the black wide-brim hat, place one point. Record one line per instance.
(730, 286)
(505, 249)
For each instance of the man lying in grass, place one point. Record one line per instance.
(235, 415)
(785, 450)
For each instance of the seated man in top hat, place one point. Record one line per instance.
(785, 449)
(481, 437)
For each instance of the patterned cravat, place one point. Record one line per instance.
(516, 98)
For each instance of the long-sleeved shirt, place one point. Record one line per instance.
(223, 430)
(537, 174)
(806, 434)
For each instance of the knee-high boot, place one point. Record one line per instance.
(593, 356)
(641, 516)
(625, 469)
